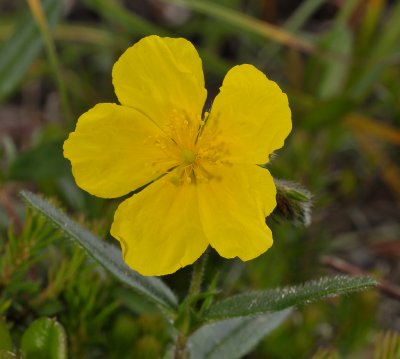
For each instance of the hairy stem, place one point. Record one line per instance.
(194, 288)
(197, 275)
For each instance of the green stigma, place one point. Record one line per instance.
(188, 157)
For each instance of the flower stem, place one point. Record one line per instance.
(197, 275)
(180, 348)
(194, 288)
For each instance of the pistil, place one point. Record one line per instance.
(188, 157)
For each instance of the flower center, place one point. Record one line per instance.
(188, 157)
(190, 153)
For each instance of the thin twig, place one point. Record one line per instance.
(342, 266)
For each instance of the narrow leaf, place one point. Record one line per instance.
(233, 338)
(262, 302)
(45, 338)
(5, 338)
(22, 48)
(153, 289)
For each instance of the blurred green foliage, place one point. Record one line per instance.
(338, 61)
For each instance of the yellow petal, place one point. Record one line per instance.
(161, 77)
(159, 228)
(233, 206)
(111, 151)
(251, 115)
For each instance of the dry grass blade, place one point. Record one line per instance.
(248, 23)
(371, 127)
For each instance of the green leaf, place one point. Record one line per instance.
(151, 288)
(45, 338)
(267, 301)
(233, 338)
(5, 338)
(23, 47)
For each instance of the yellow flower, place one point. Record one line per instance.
(204, 182)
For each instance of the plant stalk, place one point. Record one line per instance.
(197, 275)
(194, 288)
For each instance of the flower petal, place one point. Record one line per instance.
(251, 115)
(159, 228)
(109, 154)
(161, 77)
(233, 206)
